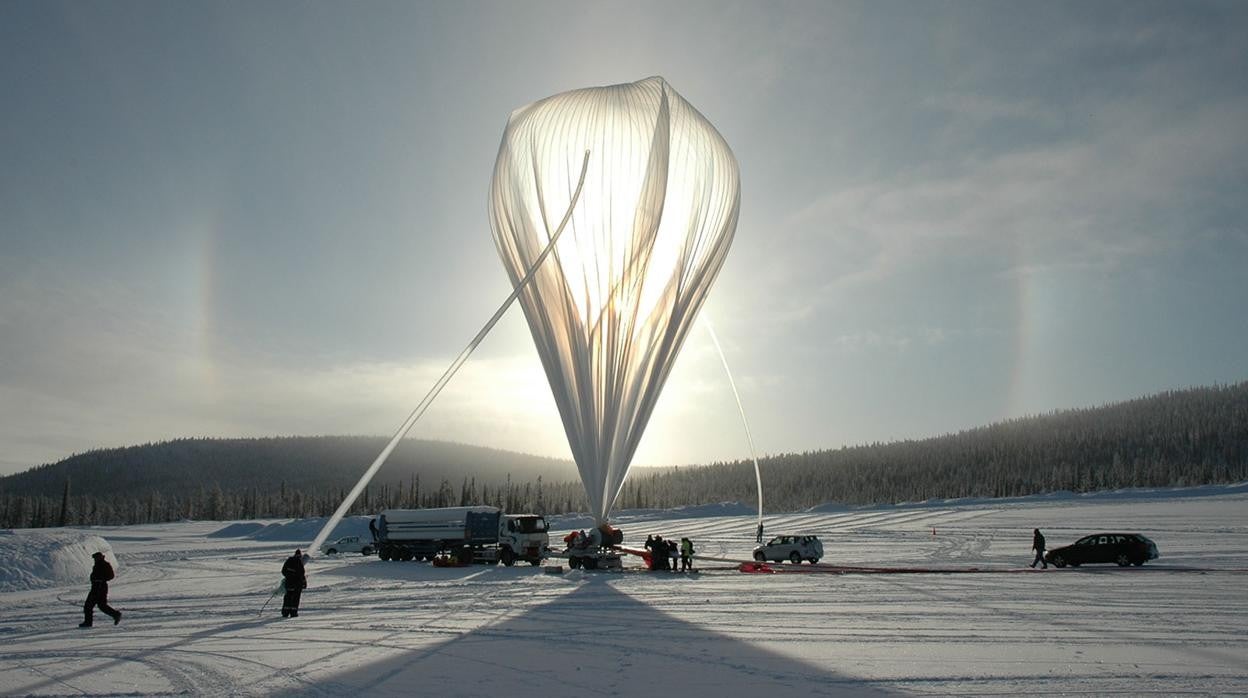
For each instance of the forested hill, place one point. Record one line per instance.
(1173, 439)
(316, 463)
(1186, 437)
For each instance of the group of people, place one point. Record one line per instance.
(663, 554)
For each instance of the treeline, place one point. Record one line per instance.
(214, 503)
(1178, 438)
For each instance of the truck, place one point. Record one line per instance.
(481, 534)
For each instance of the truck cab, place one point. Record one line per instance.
(522, 537)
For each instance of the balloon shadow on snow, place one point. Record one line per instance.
(596, 640)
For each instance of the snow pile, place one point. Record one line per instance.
(293, 531)
(33, 559)
(237, 530)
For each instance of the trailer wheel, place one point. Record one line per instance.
(508, 557)
(384, 553)
(574, 563)
(535, 561)
(406, 555)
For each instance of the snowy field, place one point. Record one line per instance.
(191, 593)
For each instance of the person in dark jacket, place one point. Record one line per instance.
(101, 573)
(758, 534)
(296, 580)
(1037, 544)
(372, 528)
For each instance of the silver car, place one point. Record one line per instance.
(350, 544)
(791, 548)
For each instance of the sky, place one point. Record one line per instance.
(254, 219)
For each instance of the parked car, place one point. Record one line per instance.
(1122, 548)
(350, 544)
(791, 548)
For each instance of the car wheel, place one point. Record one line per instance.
(331, 551)
(366, 551)
(795, 558)
(1123, 560)
(814, 560)
(1059, 561)
(760, 557)
(1138, 563)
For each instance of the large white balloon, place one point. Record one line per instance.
(647, 236)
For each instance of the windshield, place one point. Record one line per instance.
(530, 524)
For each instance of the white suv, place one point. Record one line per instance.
(791, 548)
(350, 544)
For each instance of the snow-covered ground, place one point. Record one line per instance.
(191, 593)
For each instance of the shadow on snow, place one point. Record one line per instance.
(595, 640)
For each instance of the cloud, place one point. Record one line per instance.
(1134, 189)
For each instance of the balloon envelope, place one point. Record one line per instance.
(610, 308)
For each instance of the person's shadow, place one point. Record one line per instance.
(597, 640)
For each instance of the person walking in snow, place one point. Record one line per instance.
(686, 555)
(372, 528)
(758, 538)
(1037, 544)
(101, 573)
(295, 580)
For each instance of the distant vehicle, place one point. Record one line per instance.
(791, 548)
(350, 544)
(1122, 548)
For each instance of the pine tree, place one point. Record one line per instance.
(63, 519)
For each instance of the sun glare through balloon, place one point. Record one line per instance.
(644, 243)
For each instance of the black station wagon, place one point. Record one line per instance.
(1122, 548)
